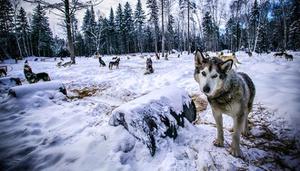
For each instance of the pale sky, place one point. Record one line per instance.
(103, 9)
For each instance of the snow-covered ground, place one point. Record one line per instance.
(45, 130)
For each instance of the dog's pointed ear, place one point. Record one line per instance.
(199, 58)
(227, 65)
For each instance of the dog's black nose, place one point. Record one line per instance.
(206, 89)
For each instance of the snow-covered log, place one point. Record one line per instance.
(154, 116)
(7, 82)
(20, 91)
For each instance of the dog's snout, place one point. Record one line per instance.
(206, 89)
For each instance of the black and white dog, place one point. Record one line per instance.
(149, 67)
(32, 77)
(115, 62)
(101, 62)
(3, 71)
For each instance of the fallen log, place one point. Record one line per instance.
(155, 116)
(7, 82)
(20, 91)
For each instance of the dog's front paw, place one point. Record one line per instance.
(218, 143)
(236, 152)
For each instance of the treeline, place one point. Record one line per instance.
(183, 25)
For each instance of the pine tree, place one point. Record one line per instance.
(153, 12)
(170, 32)
(79, 45)
(41, 33)
(105, 37)
(6, 29)
(22, 31)
(139, 19)
(111, 33)
(207, 25)
(89, 29)
(253, 26)
(128, 29)
(149, 39)
(294, 27)
(263, 40)
(119, 21)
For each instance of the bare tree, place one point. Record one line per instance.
(67, 9)
(163, 31)
(15, 5)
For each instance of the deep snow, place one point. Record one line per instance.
(47, 131)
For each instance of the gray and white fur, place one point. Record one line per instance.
(228, 92)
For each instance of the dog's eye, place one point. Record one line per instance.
(203, 73)
(214, 76)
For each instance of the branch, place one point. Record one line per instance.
(48, 5)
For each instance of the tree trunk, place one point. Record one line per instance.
(162, 31)
(19, 47)
(69, 31)
(188, 37)
(284, 26)
(155, 40)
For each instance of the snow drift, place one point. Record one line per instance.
(156, 115)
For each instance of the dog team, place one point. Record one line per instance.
(227, 91)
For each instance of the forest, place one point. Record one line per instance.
(155, 26)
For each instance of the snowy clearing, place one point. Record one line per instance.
(45, 130)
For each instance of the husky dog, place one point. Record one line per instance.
(3, 71)
(227, 92)
(67, 64)
(31, 77)
(280, 54)
(101, 62)
(114, 63)
(227, 57)
(288, 57)
(249, 53)
(149, 68)
(59, 64)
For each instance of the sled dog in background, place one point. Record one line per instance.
(229, 56)
(115, 62)
(31, 77)
(149, 67)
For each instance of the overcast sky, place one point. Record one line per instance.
(101, 9)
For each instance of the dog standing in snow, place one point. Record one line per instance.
(3, 70)
(101, 62)
(227, 92)
(31, 77)
(115, 62)
(227, 57)
(149, 68)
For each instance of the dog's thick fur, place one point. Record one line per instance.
(227, 92)
(280, 54)
(3, 71)
(249, 53)
(227, 57)
(149, 67)
(67, 64)
(115, 62)
(101, 62)
(288, 57)
(31, 77)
